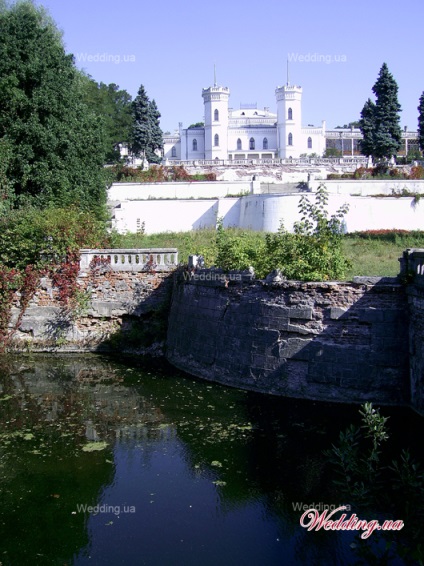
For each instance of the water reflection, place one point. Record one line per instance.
(105, 463)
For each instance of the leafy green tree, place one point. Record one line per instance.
(380, 122)
(56, 143)
(421, 123)
(113, 107)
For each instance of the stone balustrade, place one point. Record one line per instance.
(356, 159)
(150, 259)
(412, 263)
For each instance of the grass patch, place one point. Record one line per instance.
(375, 252)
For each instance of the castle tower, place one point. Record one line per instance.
(215, 99)
(289, 120)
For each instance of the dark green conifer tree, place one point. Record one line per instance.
(141, 130)
(156, 135)
(421, 123)
(367, 127)
(380, 124)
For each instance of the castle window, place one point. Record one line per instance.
(251, 143)
(290, 114)
(216, 140)
(216, 116)
(309, 143)
(265, 144)
(194, 145)
(239, 144)
(290, 139)
(174, 152)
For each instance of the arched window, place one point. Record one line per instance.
(194, 145)
(309, 143)
(290, 139)
(290, 114)
(216, 116)
(251, 143)
(239, 144)
(265, 144)
(174, 152)
(216, 140)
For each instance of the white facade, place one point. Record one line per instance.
(247, 133)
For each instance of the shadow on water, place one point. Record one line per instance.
(187, 472)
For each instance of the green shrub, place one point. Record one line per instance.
(238, 249)
(314, 251)
(40, 237)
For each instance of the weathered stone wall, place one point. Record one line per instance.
(328, 341)
(124, 311)
(416, 345)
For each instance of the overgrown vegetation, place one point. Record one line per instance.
(361, 467)
(383, 172)
(374, 252)
(159, 174)
(34, 244)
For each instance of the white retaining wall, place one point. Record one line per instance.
(264, 213)
(175, 215)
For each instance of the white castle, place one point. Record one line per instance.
(251, 135)
(247, 133)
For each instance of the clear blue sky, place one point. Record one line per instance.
(171, 48)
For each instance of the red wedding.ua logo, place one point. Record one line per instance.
(311, 519)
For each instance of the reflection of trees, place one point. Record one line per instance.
(49, 409)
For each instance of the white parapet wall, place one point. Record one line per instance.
(369, 187)
(264, 213)
(196, 189)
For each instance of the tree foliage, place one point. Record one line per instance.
(113, 107)
(421, 123)
(55, 142)
(380, 122)
(30, 238)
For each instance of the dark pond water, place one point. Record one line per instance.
(106, 462)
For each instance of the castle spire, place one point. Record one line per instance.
(214, 75)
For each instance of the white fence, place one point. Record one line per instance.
(152, 259)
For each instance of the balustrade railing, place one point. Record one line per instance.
(412, 264)
(273, 161)
(151, 259)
